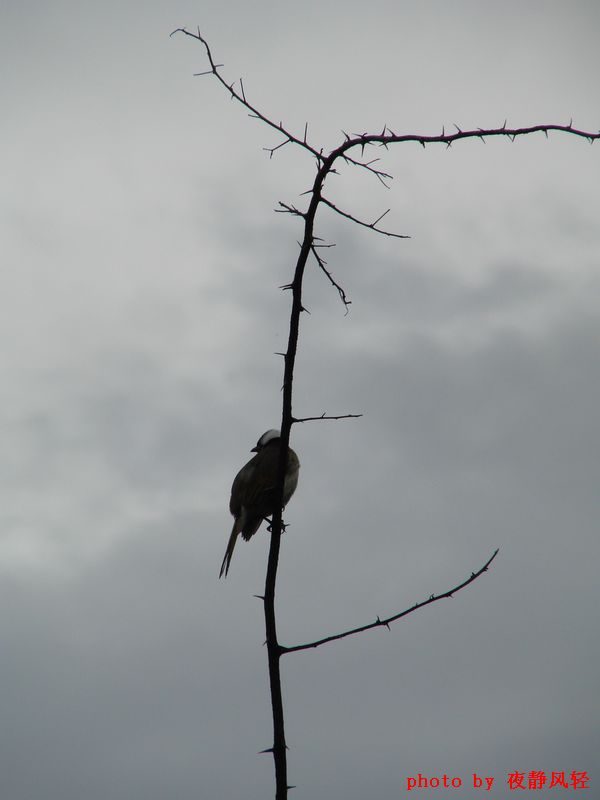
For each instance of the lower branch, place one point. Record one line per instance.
(386, 622)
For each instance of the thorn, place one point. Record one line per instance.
(457, 128)
(570, 125)
(431, 596)
(546, 132)
(504, 126)
(451, 596)
(259, 596)
(422, 143)
(443, 131)
(268, 750)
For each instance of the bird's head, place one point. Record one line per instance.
(264, 440)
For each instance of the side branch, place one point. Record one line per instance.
(387, 136)
(371, 225)
(240, 96)
(324, 415)
(323, 267)
(379, 623)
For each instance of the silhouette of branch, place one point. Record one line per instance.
(379, 623)
(288, 209)
(384, 139)
(323, 266)
(363, 140)
(371, 225)
(240, 96)
(381, 176)
(324, 415)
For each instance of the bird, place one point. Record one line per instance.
(254, 488)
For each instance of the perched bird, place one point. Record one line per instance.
(253, 490)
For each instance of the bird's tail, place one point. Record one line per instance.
(230, 547)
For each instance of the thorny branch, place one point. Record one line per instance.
(380, 623)
(326, 164)
(371, 225)
(323, 266)
(241, 98)
(324, 415)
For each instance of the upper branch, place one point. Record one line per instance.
(386, 622)
(387, 136)
(240, 96)
(383, 139)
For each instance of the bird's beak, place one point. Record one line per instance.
(254, 449)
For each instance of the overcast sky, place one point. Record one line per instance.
(140, 313)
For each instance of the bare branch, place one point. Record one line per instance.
(241, 98)
(371, 225)
(287, 209)
(379, 623)
(323, 266)
(449, 138)
(271, 150)
(324, 415)
(379, 174)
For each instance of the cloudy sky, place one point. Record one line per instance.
(140, 312)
